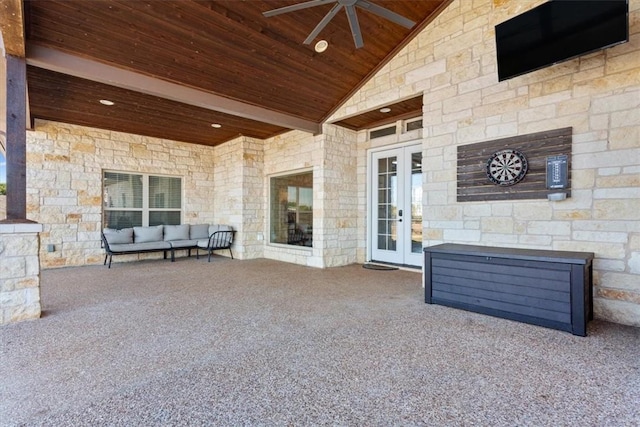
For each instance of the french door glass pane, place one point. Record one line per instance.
(387, 203)
(416, 202)
(391, 243)
(382, 166)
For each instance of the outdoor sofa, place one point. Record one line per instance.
(167, 238)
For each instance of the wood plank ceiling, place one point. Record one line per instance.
(256, 75)
(388, 114)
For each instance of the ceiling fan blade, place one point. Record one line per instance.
(386, 13)
(355, 26)
(328, 17)
(295, 7)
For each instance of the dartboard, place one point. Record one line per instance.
(506, 167)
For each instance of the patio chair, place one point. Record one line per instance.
(218, 240)
(295, 236)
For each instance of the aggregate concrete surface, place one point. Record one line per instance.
(265, 343)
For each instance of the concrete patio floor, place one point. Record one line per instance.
(260, 342)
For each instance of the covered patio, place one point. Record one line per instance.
(347, 153)
(262, 342)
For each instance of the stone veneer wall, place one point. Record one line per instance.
(332, 158)
(337, 203)
(453, 63)
(19, 272)
(289, 153)
(239, 193)
(64, 184)
(225, 184)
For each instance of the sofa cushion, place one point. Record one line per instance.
(176, 232)
(199, 231)
(178, 244)
(147, 234)
(141, 247)
(213, 228)
(115, 237)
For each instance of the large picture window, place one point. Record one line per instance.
(131, 200)
(292, 209)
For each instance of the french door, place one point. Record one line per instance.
(396, 206)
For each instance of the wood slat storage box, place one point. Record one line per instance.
(545, 288)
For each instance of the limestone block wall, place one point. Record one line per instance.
(452, 63)
(225, 184)
(293, 152)
(3, 207)
(64, 184)
(239, 195)
(338, 199)
(19, 272)
(332, 158)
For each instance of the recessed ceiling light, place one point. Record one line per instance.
(321, 46)
(385, 110)
(216, 125)
(106, 102)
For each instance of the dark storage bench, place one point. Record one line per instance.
(546, 288)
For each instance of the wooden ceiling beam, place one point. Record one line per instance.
(12, 27)
(61, 62)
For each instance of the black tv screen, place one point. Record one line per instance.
(559, 30)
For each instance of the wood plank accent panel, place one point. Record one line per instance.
(545, 288)
(474, 185)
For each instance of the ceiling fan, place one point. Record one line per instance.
(350, 8)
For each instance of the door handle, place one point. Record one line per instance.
(400, 215)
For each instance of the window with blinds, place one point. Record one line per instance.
(140, 200)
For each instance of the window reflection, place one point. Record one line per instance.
(292, 209)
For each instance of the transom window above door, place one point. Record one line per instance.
(130, 199)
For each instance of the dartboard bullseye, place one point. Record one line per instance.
(507, 167)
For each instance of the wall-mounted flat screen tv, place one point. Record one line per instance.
(559, 30)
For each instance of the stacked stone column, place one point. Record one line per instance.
(19, 272)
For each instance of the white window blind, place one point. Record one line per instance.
(140, 200)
